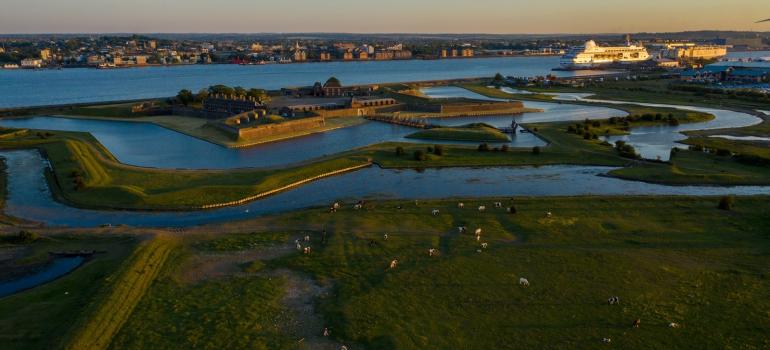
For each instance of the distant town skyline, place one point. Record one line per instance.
(394, 16)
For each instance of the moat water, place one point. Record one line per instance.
(29, 196)
(50, 272)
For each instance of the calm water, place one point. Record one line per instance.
(149, 145)
(57, 268)
(29, 196)
(46, 87)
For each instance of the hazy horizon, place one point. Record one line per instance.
(397, 17)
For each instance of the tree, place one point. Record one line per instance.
(399, 151)
(504, 148)
(221, 90)
(483, 147)
(202, 95)
(419, 155)
(438, 150)
(185, 97)
(259, 94)
(26, 236)
(239, 91)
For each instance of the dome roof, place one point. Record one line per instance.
(333, 83)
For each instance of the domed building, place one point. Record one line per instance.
(332, 88)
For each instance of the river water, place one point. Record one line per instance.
(57, 268)
(30, 198)
(20, 88)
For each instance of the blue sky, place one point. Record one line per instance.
(426, 16)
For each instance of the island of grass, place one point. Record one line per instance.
(475, 132)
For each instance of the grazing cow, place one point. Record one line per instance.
(399, 207)
(478, 232)
(524, 282)
(613, 300)
(332, 210)
(385, 236)
(462, 229)
(673, 325)
(307, 250)
(394, 263)
(435, 212)
(460, 205)
(343, 347)
(299, 246)
(511, 210)
(482, 208)
(637, 323)
(307, 238)
(548, 214)
(358, 206)
(336, 205)
(498, 205)
(431, 252)
(478, 238)
(326, 332)
(484, 245)
(606, 340)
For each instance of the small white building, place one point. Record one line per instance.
(31, 63)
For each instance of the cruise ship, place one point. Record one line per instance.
(591, 55)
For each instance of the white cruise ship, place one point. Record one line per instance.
(591, 55)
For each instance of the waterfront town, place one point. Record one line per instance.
(601, 180)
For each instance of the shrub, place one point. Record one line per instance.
(726, 203)
(429, 149)
(438, 150)
(483, 147)
(400, 151)
(536, 150)
(504, 148)
(723, 152)
(25, 236)
(420, 155)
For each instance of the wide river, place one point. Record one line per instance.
(19, 88)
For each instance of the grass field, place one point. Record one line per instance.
(110, 309)
(470, 132)
(42, 318)
(687, 167)
(669, 259)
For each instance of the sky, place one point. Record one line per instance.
(381, 16)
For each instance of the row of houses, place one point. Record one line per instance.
(731, 74)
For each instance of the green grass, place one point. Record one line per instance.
(687, 167)
(113, 185)
(470, 132)
(108, 312)
(240, 242)
(669, 259)
(42, 317)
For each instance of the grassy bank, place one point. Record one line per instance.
(471, 132)
(110, 309)
(42, 318)
(87, 175)
(688, 167)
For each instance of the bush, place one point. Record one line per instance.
(726, 203)
(483, 147)
(400, 151)
(420, 155)
(438, 150)
(504, 148)
(724, 152)
(429, 149)
(25, 236)
(536, 150)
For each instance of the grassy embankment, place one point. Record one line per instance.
(669, 259)
(41, 318)
(112, 307)
(199, 127)
(86, 174)
(471, 132)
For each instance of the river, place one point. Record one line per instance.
(21, 88)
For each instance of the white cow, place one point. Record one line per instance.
(299, 246)
(524, 282)
(307, 238)
(613, 300)
(548, 214)
(431, 252)
(336, 205)
(606, 340)
(484, 245)
(358, 206)
(435, 212)
(478, 232)
(673, 325)
(385, 236)
(498, 205)
(482, 208)
(460, 205)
